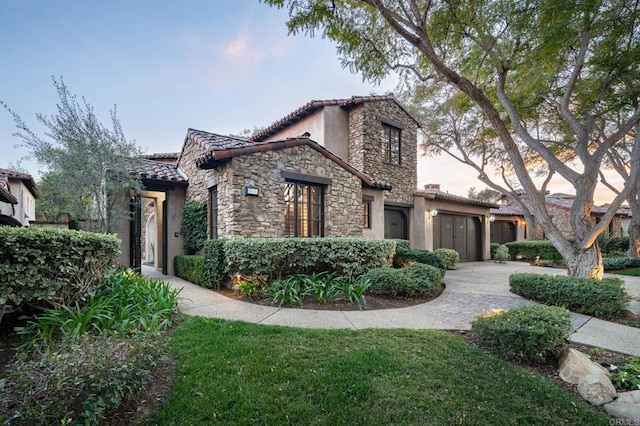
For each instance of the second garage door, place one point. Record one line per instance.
(460, 233)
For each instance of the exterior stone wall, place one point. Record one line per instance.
(198, 178)
(365, 148)
(263, 215)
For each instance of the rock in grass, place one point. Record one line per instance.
(597, 389)
(574, 365)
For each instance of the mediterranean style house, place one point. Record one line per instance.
(508, 223)
(18, 193)
(331, 168)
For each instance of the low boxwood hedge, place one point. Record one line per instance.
(534, 333)
(620, 263)
(530, 250)
(404, 256)
(583, 295)
(190, 268)
(53, 266)
(448, 256)
(415, 280)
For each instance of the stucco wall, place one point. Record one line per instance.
(25, 210)
(376, 215)
(263, 216)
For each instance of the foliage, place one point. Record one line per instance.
(619, 263)
(273, 258)
(194, 226)
(449, 257)
(530, 250)
(249, 286)
(52, 266)
(281, 375)
(493, 247)
(502, 254)
(75, 383)
(634, 272)
(354, 289)
(288, 291)
(54, 198)
(127, 303)
(534, 333)
(321, 286)
(489, 195)
(90, 164)
(518, 91)
(190, 268)
(415, 280)
(405, 256)
(583, 295)
(216, 273)
(627, 376)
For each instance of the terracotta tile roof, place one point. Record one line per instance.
(156, 170)
(506, 210)
(211, 141)
(439, 195)
(313, 106)
(222, 149)
(161, 156)
(5, 192)
(26, 178)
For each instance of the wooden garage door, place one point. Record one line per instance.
(503, 232)
(460, 233)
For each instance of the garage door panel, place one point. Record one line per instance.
(459, 233)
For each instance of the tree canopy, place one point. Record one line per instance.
(549, 83)
(87, 164)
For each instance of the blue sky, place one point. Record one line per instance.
(221, 66)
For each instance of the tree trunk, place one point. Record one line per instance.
(585, 263)
(634, 236)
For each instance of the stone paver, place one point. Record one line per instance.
(470, 290)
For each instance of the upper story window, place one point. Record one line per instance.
(303, 211)
(391, 137)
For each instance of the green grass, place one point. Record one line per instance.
(632, 271)
(239, 373)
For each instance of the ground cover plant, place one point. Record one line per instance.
(83, 359)
(239, 373)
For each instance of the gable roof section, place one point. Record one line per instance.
(313, 106)
(434, 194)
(5, 192)
(27, 179)
(158, 171)
(162, 156)
(223, 148)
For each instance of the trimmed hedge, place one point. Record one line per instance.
(620, 263)
(448, 256)
(534, 333)
(415, 280)
(529, 250)
(190, 268)
(274, 258)
(493, 248)
(194, 226)
(583, 295)
(405, 255)
(55, 266)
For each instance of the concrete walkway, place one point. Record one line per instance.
(470, 290)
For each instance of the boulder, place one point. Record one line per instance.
(626, 407)
(574, 365)
(596, 388)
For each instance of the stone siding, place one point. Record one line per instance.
(198, 178)
(263, 216)
(365, 148)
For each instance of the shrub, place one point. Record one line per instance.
(449, 257)
(76, 383)
(584, 295)
(529, 250)
(502, 254)
(534, 333)
(126, 304)
(194, 226)
(190, 268)
(627, 376)
(215, 268)
(415, 280)
(610, 245)
(273, 258)
(493, 248)
(53, 266)
(404, 256)
(620, 263)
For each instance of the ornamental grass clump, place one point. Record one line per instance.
(531, 333)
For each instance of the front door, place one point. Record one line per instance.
(395, 224)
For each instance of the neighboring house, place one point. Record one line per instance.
(334, 168)
(18, 193)
(508, 223)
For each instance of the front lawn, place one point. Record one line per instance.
(631, 271)
(239, 373)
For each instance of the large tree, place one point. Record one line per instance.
(521, 63)
(86, 162)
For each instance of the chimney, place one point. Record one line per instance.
(434, 186)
